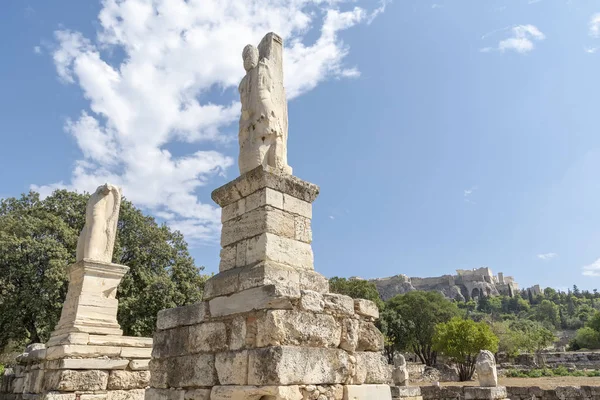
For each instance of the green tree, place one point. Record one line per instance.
(418, 313)
(509, 339)
(357, 289)
(38, 240)
(461, 340)
(547, 312)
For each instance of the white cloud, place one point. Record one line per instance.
(145, 75)
(595, 26)
(591, 50)
(37, 49)
(467, 193)
(592, 269)
(546, 256)
(521, 40)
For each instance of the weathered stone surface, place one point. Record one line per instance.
(136, 352)
(196, 370)
(297, 328)
(237, 333)
(239, 279)
(164, 394)
(70, 380)
(369, 337)
(87, 363)
(256, 393)
(69, 338)
(372, 368)
(125, 380)
(286, 365)
(232, 367)
(367, 392)
(180, 316)
(485, 393)
(122, 341)
(311, 280)
(270, 247)
(366, 308)
(259, 298)
(260, 220)
(158, 373)
(34, 381)
(139, 365)
(197, 394)
(76, 350)
(264, 177)
(350, 333)
(171, 342)
(207, 337)
(338, 303)
(311, 301)
(486, 369)
(59, 396)
(406, 391)
(136, 394)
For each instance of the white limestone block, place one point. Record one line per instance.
(367, 392)
(76, 350)
(135, 394)
(136, 352)
(270, 247)
(70, 380)
(297, 206)
(207, 337)
(139, 365)
(256, 393)
(288, 365)
(312, 301)
(350, 334)
(372, 368)
(69, 338)
(237, 333)
(297, 328)
(259, 298)
(366, 308)
(126, 380)
(124, 341)
(87, 363)
(485, 366)
(339, 303)
(164, 394)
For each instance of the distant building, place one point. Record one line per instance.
(465, 285)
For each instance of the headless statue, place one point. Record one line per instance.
(263, 122)
(97, 238)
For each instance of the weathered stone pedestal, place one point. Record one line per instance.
(86, 358)
(268, 329)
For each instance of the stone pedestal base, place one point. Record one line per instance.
(81, 366)
(267, 327)
(485, 393)
(91, 304)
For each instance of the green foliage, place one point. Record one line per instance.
(357, 289)
(1, 369)
(547, 313)
(410, 321)
(38, 240)
(547, 372)
(586, 338)
(461, 340)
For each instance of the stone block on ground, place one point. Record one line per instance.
(367, 392)
(485, 393)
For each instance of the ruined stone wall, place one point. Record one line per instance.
(578, 359)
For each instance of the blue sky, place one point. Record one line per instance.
(443, 134)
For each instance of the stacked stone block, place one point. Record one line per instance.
(267, 327)
(81, 366)
(86, 358)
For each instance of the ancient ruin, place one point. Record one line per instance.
(486, 369)
(268, 328)
(465, 285)
(87, 356)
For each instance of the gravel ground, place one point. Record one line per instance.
(545, 383)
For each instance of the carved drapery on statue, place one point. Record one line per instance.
(264, 121)
(97, 238)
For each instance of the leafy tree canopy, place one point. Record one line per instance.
(461, 340)
(357, 289)
(38, 239)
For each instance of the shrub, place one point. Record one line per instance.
(561, 371)
(593, 373)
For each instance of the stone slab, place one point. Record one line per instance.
(76, 350)
(264, 177)
(405, 391)
(136, 352)
(123, 341)
(69, 338)
(485, 393)
(87, 363)
(164, 394)
(139, 365)
(259, 298)
(366, 308)
(367, 392)
(256, 393)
